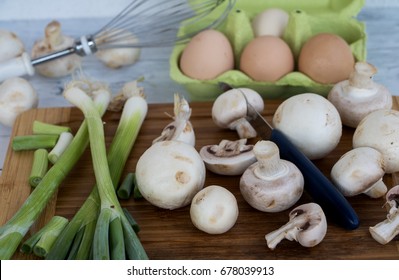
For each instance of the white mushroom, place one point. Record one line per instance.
(10, 45)
(307, 225)
(271, 184)
(54, 41)
(311, 122)
(228, 157)
(118, 57)
(169, 174)
(181, 128)
(229, 110)
(16, 96)
(360, 95)
(380, 130)
(360, 170)
(214, 210)
(386, 230)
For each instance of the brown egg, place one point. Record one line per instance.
(267, 59)
(326, 58)
(207, 55)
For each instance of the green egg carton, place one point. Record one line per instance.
(307, 18)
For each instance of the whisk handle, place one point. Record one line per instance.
(84, 46)
(16, 67)
(52, 56)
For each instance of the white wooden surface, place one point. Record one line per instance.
(382, 27)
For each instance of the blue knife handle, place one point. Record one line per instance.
(321, 189)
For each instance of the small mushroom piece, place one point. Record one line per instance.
(229, 110)
(307, 225)
(181, 128)
(358, 96)
(360, 170)
(386, 230)
(228, 157)
(380, 130)
(271, 184)
(54, 41)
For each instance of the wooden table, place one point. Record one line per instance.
(169, 234)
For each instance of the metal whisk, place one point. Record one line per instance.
(154, 23)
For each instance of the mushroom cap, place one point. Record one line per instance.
(358, 170)
(353, 104)
(11, 45)
(273, 195)
(229, 164)
(311, 122)
(214, 210)
(231, 106)
(169, 174)
(315, 229)
(118, 57)
(380, 130)
(16, 96)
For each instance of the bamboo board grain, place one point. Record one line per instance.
(169, 234)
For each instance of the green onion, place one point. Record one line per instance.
(106, 231)
(125, 189)
(33, 142)
(40, 242)
(131, 220)
(136, 192)
(39, 167)
(46, 128)
(63, 141)
(15, 229)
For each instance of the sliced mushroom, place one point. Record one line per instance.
(271, 184)
(229, 110)
(228, 157)
(358, 96)
(386, 230)
(307, 225)
(360, 170)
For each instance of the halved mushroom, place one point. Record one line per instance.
(307, 225)
(229, 110)
(386, 230)
(360, 170)
(358, 96)
(271, 184)
(228, 157)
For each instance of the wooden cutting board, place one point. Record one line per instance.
(169, 234)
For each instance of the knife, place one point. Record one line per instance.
(318, 186)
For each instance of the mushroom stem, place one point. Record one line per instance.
(243, 128)
(269, 163)
(361, 77)
(53, 34)
(377, 190)
(386, 230)
(286, 231)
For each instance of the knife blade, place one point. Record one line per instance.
(317, 185)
